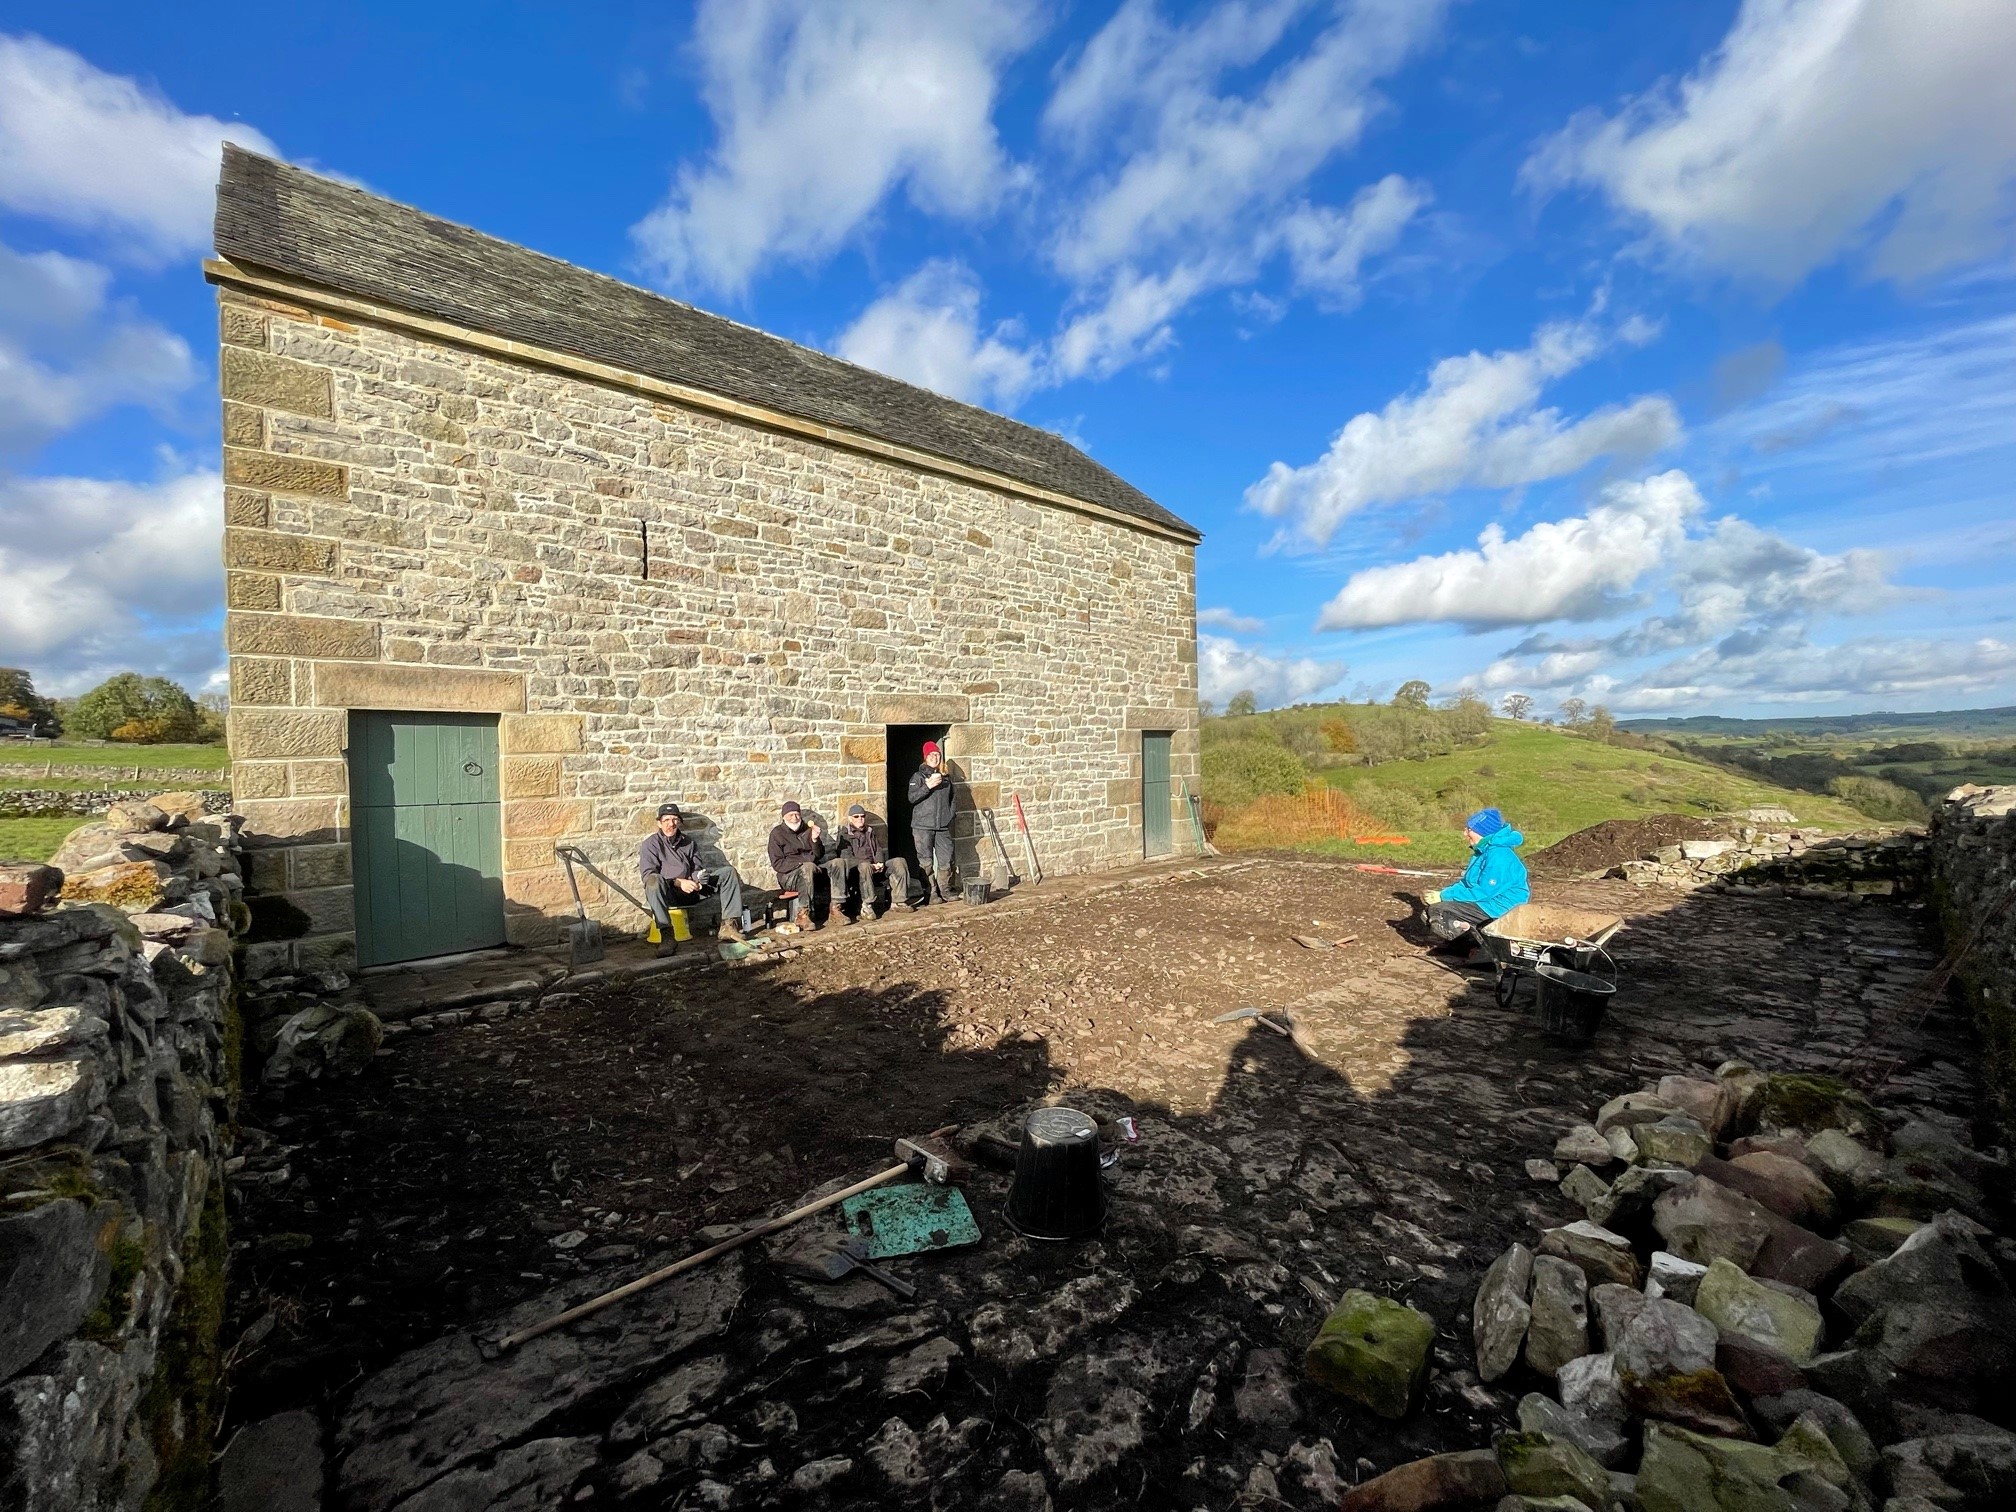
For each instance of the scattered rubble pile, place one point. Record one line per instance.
(1781, 1298)
(1593, 851)
(1973, 840)
(1789, 863)
(117, 1066)
(54, 803)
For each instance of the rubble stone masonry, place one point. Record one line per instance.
(662, 598)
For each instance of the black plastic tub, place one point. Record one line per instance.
(1058, 1192)
(1571, 1003)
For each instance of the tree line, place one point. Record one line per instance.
(127, 707)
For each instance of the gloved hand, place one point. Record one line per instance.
(1431, 897)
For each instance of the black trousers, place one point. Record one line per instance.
(934, 853)
(1452, 921)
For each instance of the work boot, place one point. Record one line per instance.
(729, 931)
(848, 921)
(945, 894)
(667, 946)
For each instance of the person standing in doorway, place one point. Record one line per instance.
(859, 850)
(931, 822)
(675, 877)
(794, 856)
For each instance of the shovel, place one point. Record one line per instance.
(584, 935)
(833, 1257)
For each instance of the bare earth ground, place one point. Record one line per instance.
(1383, 1147)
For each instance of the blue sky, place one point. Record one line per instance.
(1663, 356)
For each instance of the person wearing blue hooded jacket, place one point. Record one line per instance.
(1494, 883)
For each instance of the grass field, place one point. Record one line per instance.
(33, 839)
(209, 758)
(1549, 784)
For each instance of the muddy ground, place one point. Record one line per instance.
(1384, 1146)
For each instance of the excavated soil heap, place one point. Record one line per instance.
(1615, 841)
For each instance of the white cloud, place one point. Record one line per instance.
(1224, 667)
(1578, 568)
(1328, 248)
(824, 109)
(67, 353)
(1226, 619)
(1476, 424)
(1208, 161)
(105, 154)
(927, 331)
(1207, 191)
(1817, 127)
(1787, 668)
(99, 577)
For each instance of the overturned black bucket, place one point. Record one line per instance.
(976, 889)
(1058, 1192)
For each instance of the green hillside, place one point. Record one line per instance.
(1549, 782)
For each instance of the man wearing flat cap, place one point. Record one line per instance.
(676, 877)
(859, 849)
(794, 856)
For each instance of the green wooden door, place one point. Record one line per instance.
(426, 834)
(1155, 793)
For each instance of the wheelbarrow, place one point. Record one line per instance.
(1560, 950)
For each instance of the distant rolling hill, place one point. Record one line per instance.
(1964, 724)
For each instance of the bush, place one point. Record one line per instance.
(1879, 799)
(1236, 772)
(1396, 808)
(1339, 737)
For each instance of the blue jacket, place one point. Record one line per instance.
(1495, 879)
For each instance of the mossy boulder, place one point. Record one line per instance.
(1374, 1351)
(1542, 1464)
(1800, 1101)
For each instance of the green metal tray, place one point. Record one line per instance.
(910, 1219)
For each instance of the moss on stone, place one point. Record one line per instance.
(1800, 1101)
(106, 1323)
(182, 1400)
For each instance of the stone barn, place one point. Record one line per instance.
(515, 552)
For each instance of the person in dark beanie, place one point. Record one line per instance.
(794, 856)
(1494, 883)
(859, 849)
(675, 877)
(930, 796)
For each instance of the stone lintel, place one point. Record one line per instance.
(1148, 717)
(919, 708)
(447, 690)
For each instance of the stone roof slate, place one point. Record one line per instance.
(275, 216)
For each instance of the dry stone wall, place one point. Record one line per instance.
(1974, 867)
(1790, 863)
(659, 602)
(117, 1072)
(42, 803)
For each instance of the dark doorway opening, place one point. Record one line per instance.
(904, 748)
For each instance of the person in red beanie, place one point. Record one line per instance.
(930, 796)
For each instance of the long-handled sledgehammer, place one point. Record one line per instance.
(928, 1157)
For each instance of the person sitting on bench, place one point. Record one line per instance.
(859, 850)
(675, 877)
(794, 856)
(1494, 883)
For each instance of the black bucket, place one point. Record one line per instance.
(1058, 1193)
(1571, 1003)
(976, 889)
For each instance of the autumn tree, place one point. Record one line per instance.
(1602, 724)
(19, 700)
(142, 710)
